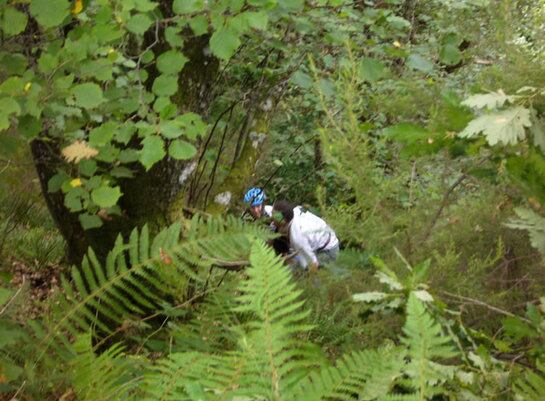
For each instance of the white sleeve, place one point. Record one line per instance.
(301, 244)
(267, 210)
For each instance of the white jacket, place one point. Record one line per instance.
(308, 234)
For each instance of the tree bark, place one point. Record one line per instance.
(149, 196)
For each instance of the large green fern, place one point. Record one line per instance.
(138, 275)
(532, 386)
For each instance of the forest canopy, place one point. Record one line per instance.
(131, 267)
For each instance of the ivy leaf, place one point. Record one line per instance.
(171, 62)
(492, 100)
(8, 106)
(224, 42)
(13, 21)
(505, 126)
(89, 221)
(139, 24)
(49, 13)
(165, 85)
(181, 150)
(152, 151)
(106, 196)
(187, 6)
(372, 70)
(88, 95)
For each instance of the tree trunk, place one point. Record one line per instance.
(148, 197)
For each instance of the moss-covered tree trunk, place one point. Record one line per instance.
(148, 196)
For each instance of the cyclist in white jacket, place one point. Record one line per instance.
(310, 236)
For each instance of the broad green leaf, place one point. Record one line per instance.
(187, 6)
(103, 134)
(29, 126)
(89, 221)
(8, 106)
(301, 79)
(165, 85)
(170, 129)
(292, 5)
(13, 86)
(419, 63)
(171, 62)
(139, 24)
(449, 54)
(372, 70)
(13, 21)
(534, 224)
(257, 19)
(181, 150)
(199, 24)
(172, 36)
(491, 100)
(224, 42)
(407, 132)
(74, 197)
(538, 131)
(152, 151)
(14, 63)
(105, 196)
(505, 126)
(50, 13)
(88, 95)
(398, 23)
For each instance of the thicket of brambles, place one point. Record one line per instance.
(129, 130)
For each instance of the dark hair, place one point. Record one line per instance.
(285, 208)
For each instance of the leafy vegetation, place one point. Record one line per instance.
(130, 128)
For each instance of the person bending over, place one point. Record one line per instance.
(310, 236)
(256, 197)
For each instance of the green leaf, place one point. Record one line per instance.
(199, 24)
(13, 21)
(165, 85)
(170, 129)
(407, 132)
(534, 224)
(8, 106)
(372, 70)
(292, 5)
(181, 150)
(103, 134)
(89, 221)
(187, 6)
(139, 24)
(171, 62)
(224, 42)
(5, 295)
(14, 63)
(29, 126)
(88, 95)
(105, 196)
(370, 296)
(491, 100)
(49, 13)
(257, 19)
(449, 54)
(152, 151)
(301, 79)
(505, 126)
(419, 63)
(173, 38)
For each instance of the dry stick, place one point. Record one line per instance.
(197, 177)
(216, 162)
(483, 304)
(12, 298)
(444, 203)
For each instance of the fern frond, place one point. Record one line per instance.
(532, 386)
(368, 374)
(426, 343)
(104, 377)
(137, 275)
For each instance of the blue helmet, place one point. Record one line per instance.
(255, 196)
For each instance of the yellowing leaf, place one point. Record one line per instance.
(78, 151)
(27, 86)
(78, 7)
(76, 182)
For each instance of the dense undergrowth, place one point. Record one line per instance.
(438, 291)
